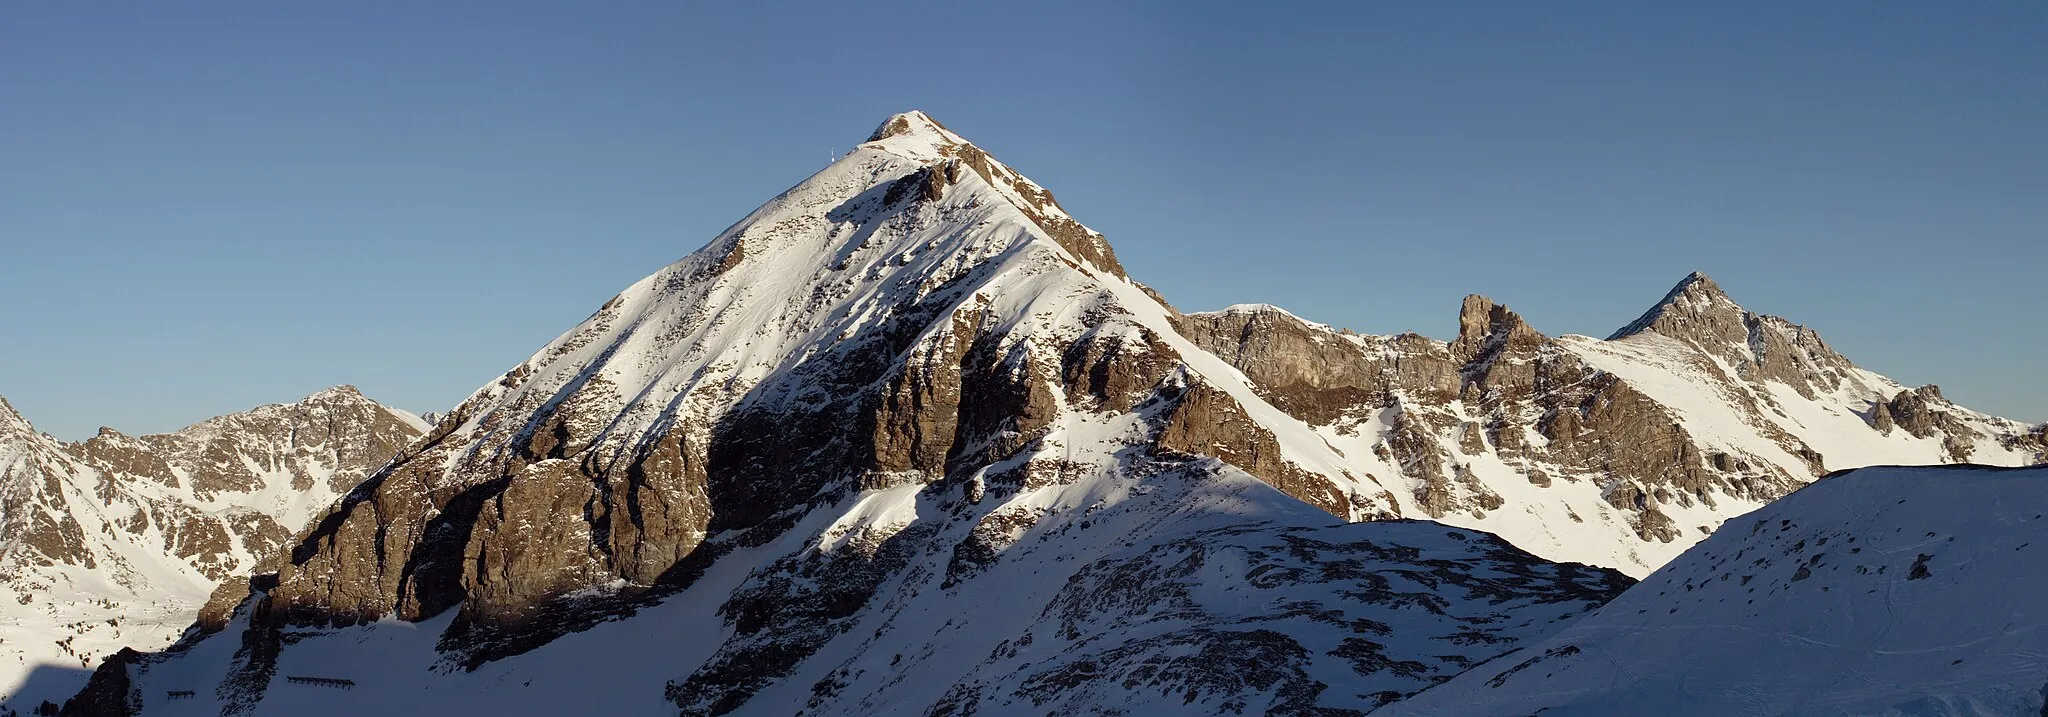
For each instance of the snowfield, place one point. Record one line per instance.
(1881, 591)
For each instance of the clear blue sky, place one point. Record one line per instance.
(209, 206)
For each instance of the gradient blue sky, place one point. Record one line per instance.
(205, 207)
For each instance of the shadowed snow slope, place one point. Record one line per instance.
(1195, 588)
(1879, 591)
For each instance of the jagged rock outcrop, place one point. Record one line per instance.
(1206, 421)
(1301, 370)
(117, 540)
(1924, 413)
(1697, 411)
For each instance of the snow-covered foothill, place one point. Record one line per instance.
(1897, 591)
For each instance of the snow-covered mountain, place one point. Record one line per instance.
(118, 541)
(907, 439)
(1622, 452)
(1881, 591)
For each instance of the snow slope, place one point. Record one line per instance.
(1199, 588)
(1880, 591)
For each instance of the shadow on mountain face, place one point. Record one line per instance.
(46, 683)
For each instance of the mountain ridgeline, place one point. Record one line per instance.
(907, 439)
(118, 540)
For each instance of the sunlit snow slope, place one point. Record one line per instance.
(1880, 591)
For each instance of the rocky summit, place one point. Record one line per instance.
(908, 440)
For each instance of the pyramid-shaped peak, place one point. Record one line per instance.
(1699, 283)
(1695, 298)
(916, 134)
(905, 123)
(344, 392)
(9, 417)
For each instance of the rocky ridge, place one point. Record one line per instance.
(117, 540)
(1698, 411)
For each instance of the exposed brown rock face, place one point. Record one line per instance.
(1695, 309)
(1486, 330)
(1115, 372)
(1502, 391)
(1924, 413)
(1308, 373)
(1208, 422)
(116, 454)
(498, 540)
(1518, 381)
(1919, 411)
(337, 434)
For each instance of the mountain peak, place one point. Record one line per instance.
(904, 123)
(341, 392)
(11, 418)
(915, 134)
(1696, 297)
(1758, 347)
(1698, 283)
(949, 157)
(1484, 325)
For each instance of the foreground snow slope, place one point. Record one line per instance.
(1197, 589)
(118, 541)
(1880, 591)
